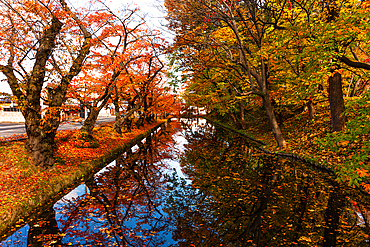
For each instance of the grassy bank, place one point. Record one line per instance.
(25, 188)
(346, 153)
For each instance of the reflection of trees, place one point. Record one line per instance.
(123, 206)
(241, 198)
(44, 231)
(332, 215)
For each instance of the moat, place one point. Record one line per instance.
(194, 184)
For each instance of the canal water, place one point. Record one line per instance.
(193, 184)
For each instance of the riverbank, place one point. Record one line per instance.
(25, 188)
(344, 153)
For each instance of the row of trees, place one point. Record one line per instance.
(236, 53)
(93, 56)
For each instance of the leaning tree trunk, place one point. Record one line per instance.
(272, 119)
(90, 121)
(336, 102)
(118, 123)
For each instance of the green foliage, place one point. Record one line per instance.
(354, 143)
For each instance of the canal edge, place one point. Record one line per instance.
(27, 212)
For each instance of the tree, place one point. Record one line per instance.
(125, 63)
(316, 44)
(118, 44)
(142, 77)
(44, 45)
(238, 30)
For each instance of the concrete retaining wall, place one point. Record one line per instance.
(12, 117)
(17, 117)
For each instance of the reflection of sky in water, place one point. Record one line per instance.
(135, 148)
(19, 238)
(180, 141)
(105, 169)
(74, 194)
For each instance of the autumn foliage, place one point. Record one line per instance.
(299, 60)
(57, 58)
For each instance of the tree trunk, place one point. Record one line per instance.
(125, 119)
(118, 123)
(40, 142)
(273, 122)
(140, 122)
(235, 120)
(311, 109)
(42, 149)
(336, 102)
(90, 121)
(354, 89)
(242, 113)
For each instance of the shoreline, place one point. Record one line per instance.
(17, 214)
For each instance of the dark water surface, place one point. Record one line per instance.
(192, 184)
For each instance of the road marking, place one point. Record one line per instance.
(11, 127)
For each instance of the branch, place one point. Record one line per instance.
(79, 60)
(354, 64)
(354, 54)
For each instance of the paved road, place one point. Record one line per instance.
(7, 129)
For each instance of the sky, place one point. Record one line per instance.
(154, 18)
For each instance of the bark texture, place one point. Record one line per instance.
(273, 122)
(336, 102)
(90, 121)
(119, 122)
(311, 109)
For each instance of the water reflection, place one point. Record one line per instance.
(120, 206)
(228, 195)
(239, 197)
(123, 206)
